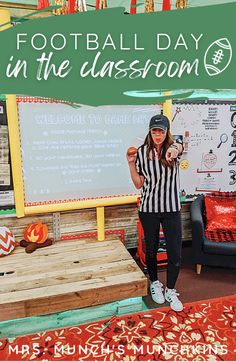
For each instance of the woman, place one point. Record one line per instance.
(155, 169)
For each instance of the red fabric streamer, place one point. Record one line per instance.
(133, 9)
(166, 5)
(71, 6)
(97, 4)
(42, 4)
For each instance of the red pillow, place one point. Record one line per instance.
(223, 194)
(221, 218)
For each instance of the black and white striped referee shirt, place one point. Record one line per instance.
(160, 191)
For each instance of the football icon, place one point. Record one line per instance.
(218, 56)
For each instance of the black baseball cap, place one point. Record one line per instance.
(159, 121)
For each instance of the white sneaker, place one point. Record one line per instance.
(172, 297)
(156, 289)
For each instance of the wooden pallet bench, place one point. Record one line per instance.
(68, 275)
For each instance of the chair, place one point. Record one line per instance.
(206, 252)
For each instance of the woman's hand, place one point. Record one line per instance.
(131, 154)
(171, 154)
(131, 159)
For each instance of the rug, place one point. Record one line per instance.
(203, 331)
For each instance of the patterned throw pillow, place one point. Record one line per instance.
(223, 194)
(221, 216)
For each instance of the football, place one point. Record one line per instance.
(132, 151)
(218, 56)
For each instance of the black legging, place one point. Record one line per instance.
(171, 224)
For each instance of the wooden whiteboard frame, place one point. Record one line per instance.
(21, 209)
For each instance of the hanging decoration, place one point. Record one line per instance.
(63, 7)
(101, 4)
(166, 5)
(181, 4)
(149, 6)
(133, 9)
(42, 4)
(70, 6)
(81, 5)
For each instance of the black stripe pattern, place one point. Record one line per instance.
(160, 191)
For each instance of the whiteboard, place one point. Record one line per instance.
(73, 154)
(209, 133)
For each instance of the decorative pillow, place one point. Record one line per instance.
(223, 194)
(36, 233)
(221, 218)
(7, 241)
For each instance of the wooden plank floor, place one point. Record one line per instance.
(67, 275)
